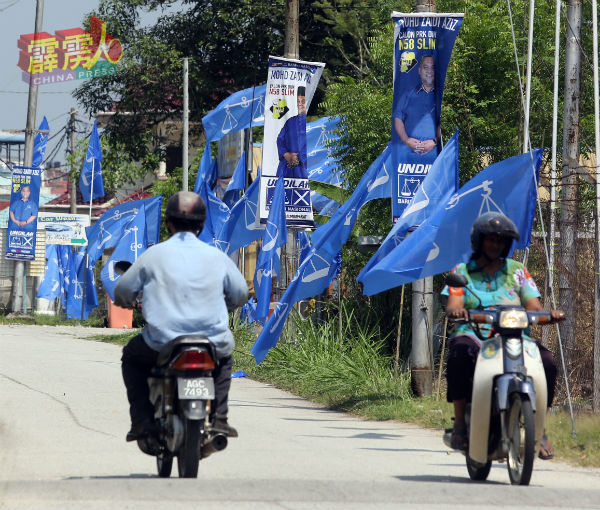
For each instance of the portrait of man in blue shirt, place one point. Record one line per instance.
(415, 119)
(24, 212)
(291, 142)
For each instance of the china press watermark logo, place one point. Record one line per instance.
(72, 54)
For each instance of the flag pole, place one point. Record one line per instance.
(87, 261)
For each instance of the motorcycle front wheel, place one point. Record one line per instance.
(477, 471)
(521, 435)
(188, 456)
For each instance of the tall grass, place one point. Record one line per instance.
(344, 369)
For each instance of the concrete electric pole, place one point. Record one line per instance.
(18, 290)
(421, 370)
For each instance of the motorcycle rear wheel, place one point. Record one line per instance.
(164, 464)
(188, 456)
(521, 434)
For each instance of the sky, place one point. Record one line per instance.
(54, 100)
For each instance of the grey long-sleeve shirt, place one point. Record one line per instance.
(187, 287)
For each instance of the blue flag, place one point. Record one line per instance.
(443, 240)
(312, 278)
(332, 236)
(239, 111)
(381, 186)
(82, 287)
(39, 143)
(248, 312)
(304, 245)
(275, 234)
(241, 227)
(438, 186)
(237, 183)
(91, 183)
(132, 244)
(321, 164)
(50, 288)
(216, 214)
(207, 170)
(107, 231)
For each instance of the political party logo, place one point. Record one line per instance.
(279, 109)
(72, 54)
(407, 61)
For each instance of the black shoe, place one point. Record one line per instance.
(221, 425)
(141, 430)
(460, 440)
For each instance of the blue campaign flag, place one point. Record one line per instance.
(40, 142)
(443, 240)
(132, 244)
(334, 233)
(208, 170)
(304, 245)
(240, 110)
(323, 205)
(82, 283)
(381, 186)
(237, 182)
(107, 231)
(275, 234)
(91, 183)
(438, 186)
(50, 288)
(241, 227)
(313, 276)
(216, 214)
(322, 166)
(248, 312)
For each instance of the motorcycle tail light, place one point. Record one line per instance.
(513, 319)
(194, 360)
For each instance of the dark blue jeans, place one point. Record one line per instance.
(136, 364)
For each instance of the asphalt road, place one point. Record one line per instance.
(63, 419)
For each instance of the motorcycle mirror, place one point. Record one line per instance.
(456, 280)
(122, 266)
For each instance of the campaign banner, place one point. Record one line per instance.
(291, 85)
(64, 228)
(23, 212)
(423, 44)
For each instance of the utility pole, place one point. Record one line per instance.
(291, 50)
(18, 291)
(567, 274)
(421, 370)
(292, 29)
(186, 117)
(71, 129)
(596, 395)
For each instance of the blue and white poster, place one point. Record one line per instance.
(291, 85)
(423, 44)
(23, 213)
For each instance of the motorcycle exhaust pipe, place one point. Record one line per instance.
(215, 443)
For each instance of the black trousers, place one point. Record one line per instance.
(462, 356)
(136, 364)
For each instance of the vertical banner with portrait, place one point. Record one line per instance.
(423, 44)
(291, 85)
(23, 213)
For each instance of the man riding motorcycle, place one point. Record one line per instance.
(188, 289)
(497, 280)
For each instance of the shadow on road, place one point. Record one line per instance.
(444, 479)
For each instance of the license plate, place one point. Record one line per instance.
(197, 388)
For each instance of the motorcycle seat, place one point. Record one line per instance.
(167, 351)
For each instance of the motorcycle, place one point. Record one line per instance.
(507, 414)
(182, 390)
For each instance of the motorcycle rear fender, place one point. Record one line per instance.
(489, 365)
(508, 384)
(193, 409)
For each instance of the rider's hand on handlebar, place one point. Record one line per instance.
(457, 314)
(557, 315)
